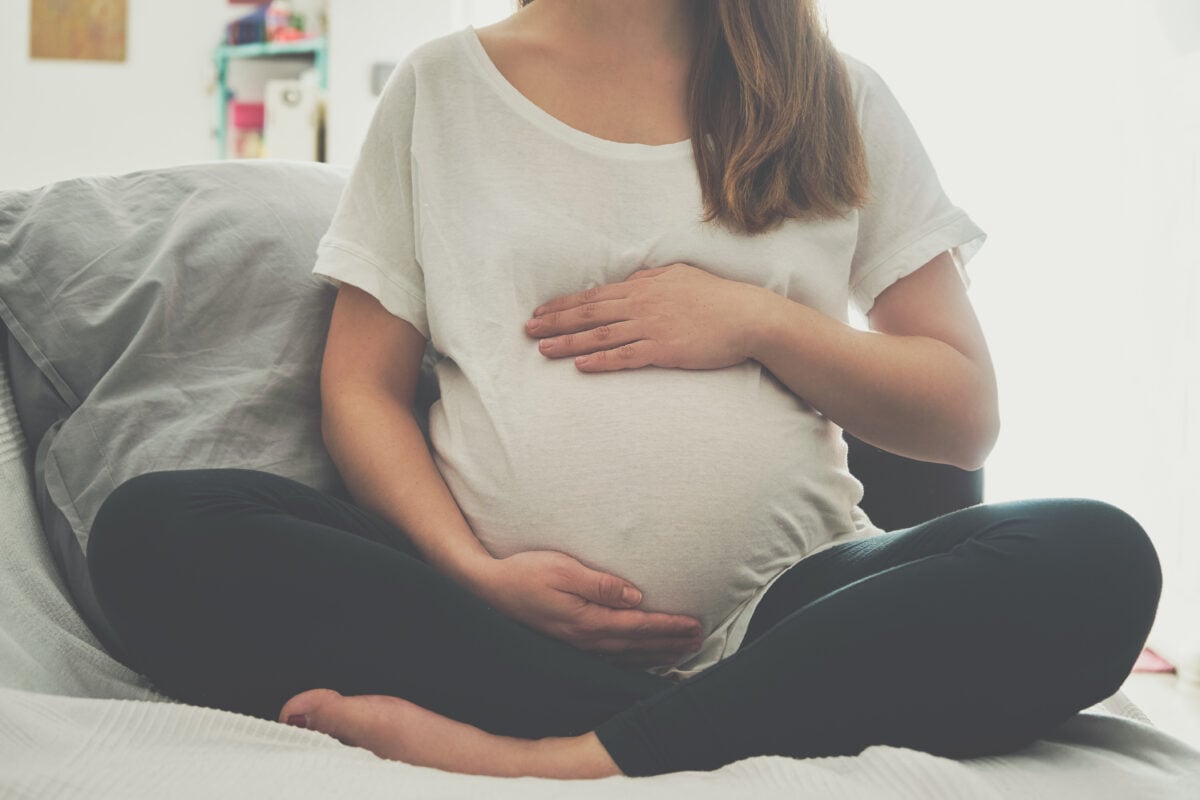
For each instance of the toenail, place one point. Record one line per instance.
(299, 720)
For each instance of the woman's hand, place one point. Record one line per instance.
(673, 316)
(557, 595)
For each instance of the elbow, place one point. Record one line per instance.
(972, 463)
(981, 427)
(980, 441)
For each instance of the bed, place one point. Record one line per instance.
(110, 293)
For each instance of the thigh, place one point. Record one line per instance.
(1074, 527)
(238, 589)
(237, 494)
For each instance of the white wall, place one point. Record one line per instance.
(63, 119)
(1070, 131)
(365, 32)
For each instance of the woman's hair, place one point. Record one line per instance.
(771, 91)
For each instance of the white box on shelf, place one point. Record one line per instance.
(292, 123)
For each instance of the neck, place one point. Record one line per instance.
(620, 27)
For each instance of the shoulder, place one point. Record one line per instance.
(421, 73)
(865, 83)
(432, 60)
(880, 114)
(440, 49)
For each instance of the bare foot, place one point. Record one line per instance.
(394, 728)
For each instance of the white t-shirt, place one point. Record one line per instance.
(470, 206)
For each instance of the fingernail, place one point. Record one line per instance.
(632, 596)
(299, 720)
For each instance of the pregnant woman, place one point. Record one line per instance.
(632, 545)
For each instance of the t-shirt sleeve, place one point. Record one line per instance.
(908, 219)
(373, 238)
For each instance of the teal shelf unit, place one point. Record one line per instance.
(317, 47)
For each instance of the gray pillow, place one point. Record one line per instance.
(167, 319)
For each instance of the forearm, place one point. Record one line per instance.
(911, 395)
(387, 467)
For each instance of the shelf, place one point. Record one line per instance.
(316, 47)
(265, 49)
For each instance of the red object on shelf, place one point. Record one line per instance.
(288, 35)
(246, 115)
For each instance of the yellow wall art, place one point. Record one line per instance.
(91, 30)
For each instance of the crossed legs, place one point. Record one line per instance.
(973, 633)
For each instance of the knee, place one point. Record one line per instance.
(1132, 555)
(1115, 591)
(1103, 558)
(134, 511)
(1113, 543)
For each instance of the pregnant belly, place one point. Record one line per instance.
(696, 486)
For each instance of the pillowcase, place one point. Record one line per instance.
(167, 319)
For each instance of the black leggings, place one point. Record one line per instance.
(971, 634)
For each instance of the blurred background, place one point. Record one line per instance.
(1069, 130)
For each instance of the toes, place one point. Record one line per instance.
(307, 703)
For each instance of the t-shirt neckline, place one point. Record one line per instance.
(552, 124)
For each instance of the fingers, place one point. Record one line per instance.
(642, 272)
(593, 295)
(600, 338)
(642, 353)
(634, 624)
(578, 318)
(609, 625)
(605, 589)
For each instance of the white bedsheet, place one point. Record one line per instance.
(75, 723)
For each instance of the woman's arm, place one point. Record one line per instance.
(368, 383)
(919, 384)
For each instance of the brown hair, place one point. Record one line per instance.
(771, 91)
